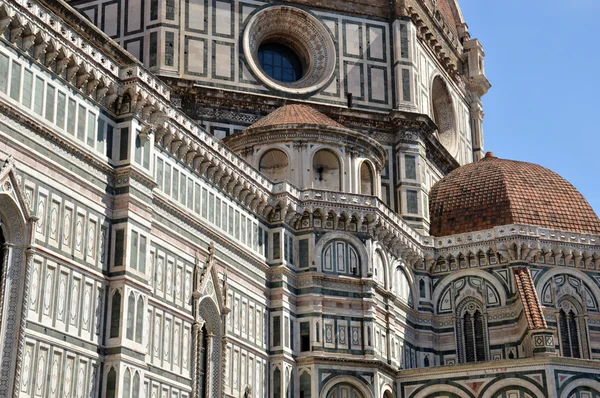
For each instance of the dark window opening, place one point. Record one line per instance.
(304, 336)
(280, 62)
(569, 334)
(203, 371)
(473, 330)
(115, 315)
(111, 383)
(276, 331)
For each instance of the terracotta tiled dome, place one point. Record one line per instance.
(495, 192)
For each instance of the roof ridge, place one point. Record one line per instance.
(529, 298)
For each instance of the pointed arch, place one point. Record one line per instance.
(126, 393)
(139, 320)
(130, 316)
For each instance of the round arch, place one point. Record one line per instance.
(327, 169)
(353, 381)
(367, 183)
(575, 384)
(447, 388)
(491, 389)
(274, 164)
(338, 235)
(400, 266)
(592, 287)
(387, 391)
(443, 284)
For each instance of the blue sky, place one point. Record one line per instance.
(542, 59)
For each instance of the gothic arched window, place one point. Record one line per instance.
(111, 383)
(471, 330)
(136, 386)
(139, 320)
(572, 329)
(277, 383)
(341, 258)
(115, 315)
(127, 384)
(130, 315)
(305, 385)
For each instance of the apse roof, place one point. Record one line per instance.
(295, 114)
(494, 192)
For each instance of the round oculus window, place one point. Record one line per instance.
(280, 62)
(289, 50)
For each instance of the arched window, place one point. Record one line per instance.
(280, 62)
(401, 286)
(305, 385)
(341, 258)
(139, 320)
(443, 114)
(572, 329)
(379, 269)
(274, 165)
(277, 383)
(115, 315)
(326, 170)
(366, 179)
(127, 384)
(471, 329)
(136, 386)
(111, 383)
(130, 316)
(203, 363)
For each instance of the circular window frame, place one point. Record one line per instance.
(302, 33)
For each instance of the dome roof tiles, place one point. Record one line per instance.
(295, 114)
(495, 192)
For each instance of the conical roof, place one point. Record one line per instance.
(295, 114)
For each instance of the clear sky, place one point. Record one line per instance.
(543, 60)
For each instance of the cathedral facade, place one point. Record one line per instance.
(248, 198)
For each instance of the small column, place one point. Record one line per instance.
(477, 130)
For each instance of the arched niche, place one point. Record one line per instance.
(16, 230)
(443, 114)
(326, 171)
(274, 164)
(367, 179)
